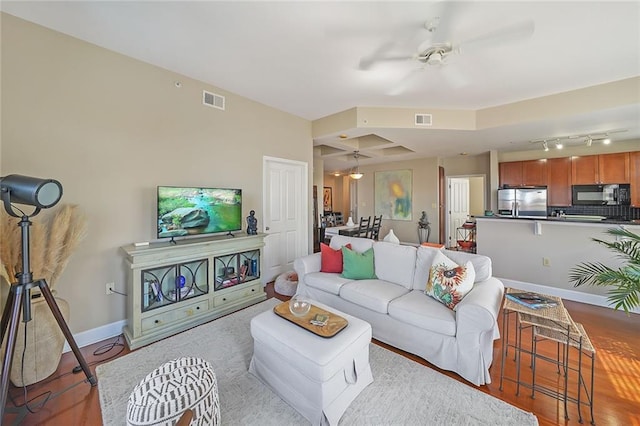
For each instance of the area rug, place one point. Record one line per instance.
(403, 392)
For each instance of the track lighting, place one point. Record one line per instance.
(574, 140)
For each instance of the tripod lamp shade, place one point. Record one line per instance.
(42, 193)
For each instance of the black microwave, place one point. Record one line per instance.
(601, 195)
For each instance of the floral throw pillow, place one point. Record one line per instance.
(449, 282)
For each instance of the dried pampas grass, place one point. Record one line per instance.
(51, 244)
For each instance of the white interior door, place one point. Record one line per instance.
(285, 198)
(458, 206)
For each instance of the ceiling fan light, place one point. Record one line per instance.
(559, 145)
(606, 141)
(435, 58)
(356, 175)
(545, 146)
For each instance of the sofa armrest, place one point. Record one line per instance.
(305, 265)
(478, 311)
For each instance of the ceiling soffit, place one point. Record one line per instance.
(376, 131)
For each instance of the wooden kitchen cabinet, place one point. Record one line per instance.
(599, 169)
(523, 173)
(559, 181)
(510, 173)
(634, 174)
(534, 173)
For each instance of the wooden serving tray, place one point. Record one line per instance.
(334, 325)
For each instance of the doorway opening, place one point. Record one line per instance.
(466, 197)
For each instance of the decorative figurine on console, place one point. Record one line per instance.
(424, 230)
(252, 223)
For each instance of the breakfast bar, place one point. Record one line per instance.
(536, 253)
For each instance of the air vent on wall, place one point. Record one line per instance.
(213, 100)
(423, 119)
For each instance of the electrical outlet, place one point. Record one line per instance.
(546, 261)
(109, 288)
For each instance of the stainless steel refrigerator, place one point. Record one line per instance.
(522, 202)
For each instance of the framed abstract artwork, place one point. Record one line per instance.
(327, 200)
(392, 194)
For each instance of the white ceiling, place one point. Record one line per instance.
(303, 57)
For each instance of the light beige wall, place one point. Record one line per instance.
(476, 196)
(111, 129)
(424, 197)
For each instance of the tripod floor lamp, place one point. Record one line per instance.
(41, 194)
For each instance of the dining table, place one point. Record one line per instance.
(341, 230)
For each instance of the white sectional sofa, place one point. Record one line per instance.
(402, 315)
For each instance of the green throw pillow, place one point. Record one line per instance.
(357, 266)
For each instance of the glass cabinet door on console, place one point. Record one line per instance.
(237, 268)
(172, 283)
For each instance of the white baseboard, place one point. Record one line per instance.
(98, 334)
(576, 296)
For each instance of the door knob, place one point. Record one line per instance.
(267, 228)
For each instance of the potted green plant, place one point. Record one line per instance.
(624, 281)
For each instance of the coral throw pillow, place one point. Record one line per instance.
(331, 260)
(358, 266)
(449, 282)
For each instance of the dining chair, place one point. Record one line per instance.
(374, 229)
(339, 219)
(363, 228)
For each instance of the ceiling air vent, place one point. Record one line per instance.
(423, 119)
(213, 100)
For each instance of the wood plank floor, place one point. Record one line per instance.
(617, 378)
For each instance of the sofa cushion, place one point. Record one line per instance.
(372, 294)
(448, 281)
(330, 283)
(331, 260)
(424, 260)
(481, 264)
(357, 266)
(395, 263)
(420, 310)
(358, 244)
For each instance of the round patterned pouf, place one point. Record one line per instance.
(164, 394)
(286, 283)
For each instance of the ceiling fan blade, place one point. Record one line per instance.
(446, 12)
(510, 33)
(367, 62)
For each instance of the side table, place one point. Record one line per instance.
(553, 323)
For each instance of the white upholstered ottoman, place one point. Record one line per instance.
(317, 376)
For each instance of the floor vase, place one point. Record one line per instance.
(44, 343)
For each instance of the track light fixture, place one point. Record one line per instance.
(573, 140)
(355, 173)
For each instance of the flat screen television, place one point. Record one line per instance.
(186, 211)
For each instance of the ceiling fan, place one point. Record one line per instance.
(435, 51)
